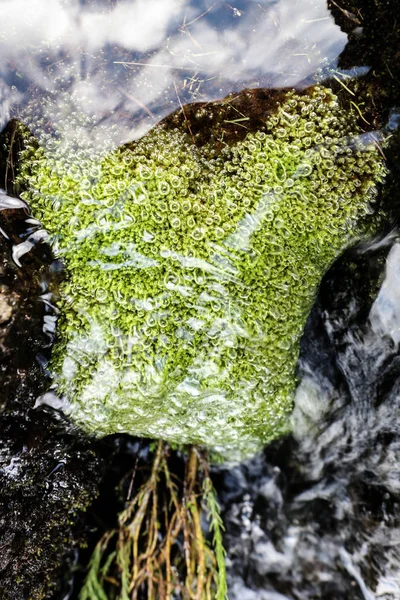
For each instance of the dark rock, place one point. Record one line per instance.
(49, 471)
(48, 477)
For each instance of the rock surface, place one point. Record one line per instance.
(48, 470)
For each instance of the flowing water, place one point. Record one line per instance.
(316, 514)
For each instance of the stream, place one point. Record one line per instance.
(313, 515)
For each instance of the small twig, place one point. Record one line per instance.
(347, 13)
(183, 110)
(128, 497)
(359, 112)
(237, 120)
(155, 66)
(200, 16)
(380, 149)
(9, 161)
(344, 85)
(137, 101)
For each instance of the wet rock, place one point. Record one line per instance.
(48, 477)
(22, 309)
(373, 42)
(49, 472)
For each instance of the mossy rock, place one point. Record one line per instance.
(193, 264)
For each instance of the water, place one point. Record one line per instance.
(315, 516)
(127, 69)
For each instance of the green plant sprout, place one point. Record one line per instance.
(192, 269)
(159, 548)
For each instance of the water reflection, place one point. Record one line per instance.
(129, 69)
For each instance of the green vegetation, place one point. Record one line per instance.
(191, 270)
(159, 548)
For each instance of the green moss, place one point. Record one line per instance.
(192, 271)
